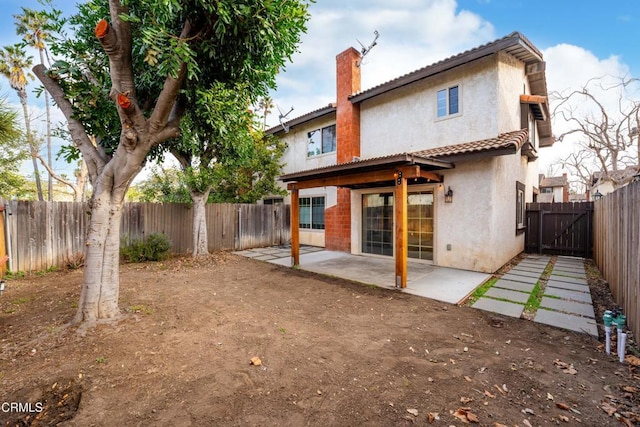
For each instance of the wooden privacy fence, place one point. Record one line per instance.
(45, 234)
(616, 249)
(560, 229)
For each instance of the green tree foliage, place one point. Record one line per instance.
(12, 184)
(158, 54)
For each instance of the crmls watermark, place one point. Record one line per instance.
(23, 407)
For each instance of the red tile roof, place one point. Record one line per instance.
(513, 139)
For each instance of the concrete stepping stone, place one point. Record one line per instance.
(264, 257)
(565, 265)
(568, 306)
(568, 286)
(524, 279)
(574, 274)
(570, 295)
(507, 294)
(524, 273)
(575, 280)
(501, 307)
(539, 264)
(530, 269)
(567, 321)
(514, 286)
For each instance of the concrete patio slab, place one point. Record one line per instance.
(507, 294)
(570, 307)
(569, 295)
(514, 286)
(440, 283)
(567, 321)
(516, 278)
(501, 307)
(568, 286)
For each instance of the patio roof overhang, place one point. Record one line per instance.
(373, 172)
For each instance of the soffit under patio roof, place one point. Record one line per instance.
(380, 170)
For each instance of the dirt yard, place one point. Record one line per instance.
(331, 353)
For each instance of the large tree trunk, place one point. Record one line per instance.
(200, 238)
(100, 285)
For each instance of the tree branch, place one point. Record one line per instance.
(167, 99)
(95, 162)
(57, 177)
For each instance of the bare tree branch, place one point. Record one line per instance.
(95, 161)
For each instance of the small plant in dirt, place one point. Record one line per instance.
(101, 359)
(20, 301)
(156, 247)
(75, 261)
(14, 275)
(141, 308)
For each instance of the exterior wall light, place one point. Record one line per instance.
(448, 196)
(598, 195)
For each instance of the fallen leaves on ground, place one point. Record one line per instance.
(632, 360)
(255, 361)
(433, 416)
(466, 416)
(567, 368)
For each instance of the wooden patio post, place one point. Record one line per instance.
(401, 237)
(295, 228)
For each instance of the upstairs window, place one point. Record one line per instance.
(321, 141)
(448, 102)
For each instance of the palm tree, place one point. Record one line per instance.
(13, 61)
(32, 26)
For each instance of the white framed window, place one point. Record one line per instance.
(448, 101)
(311, 213)
(321, 141)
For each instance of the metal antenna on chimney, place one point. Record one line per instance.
(285, 126)
(365, 50)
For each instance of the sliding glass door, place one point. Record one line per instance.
(378, 230)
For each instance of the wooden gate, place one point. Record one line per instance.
(560, 229)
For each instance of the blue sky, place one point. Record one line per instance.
(579, 40)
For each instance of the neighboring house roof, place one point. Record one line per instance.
(320, 112)
(618, 177)
(545, 198)
(578, 197)
(434, 158)
(554, 181)
(514, 44)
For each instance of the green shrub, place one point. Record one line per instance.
(156, 247)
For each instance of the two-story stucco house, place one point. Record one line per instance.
(435, 165)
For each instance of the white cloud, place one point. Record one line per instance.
(413, 34)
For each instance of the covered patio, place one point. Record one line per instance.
(395, 170)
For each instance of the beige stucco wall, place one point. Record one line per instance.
(295, 156)
(406, 120)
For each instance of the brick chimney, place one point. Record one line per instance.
(347, 114)
(338, 217)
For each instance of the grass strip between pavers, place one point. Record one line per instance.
(533, 303)
(475, 296)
